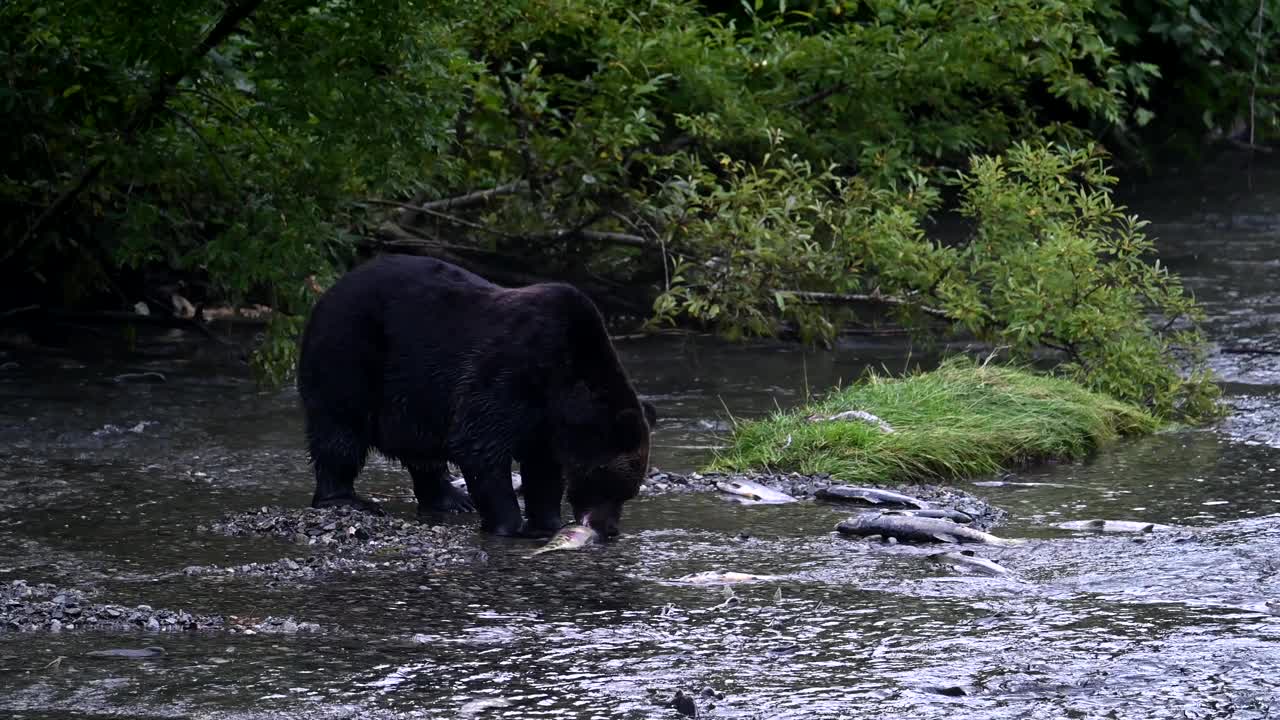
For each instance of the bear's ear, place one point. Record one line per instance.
(650, 413)
(630, 429)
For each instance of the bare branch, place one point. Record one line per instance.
(475, 198)
(865, 298)
(18, 311)
(612, 238)
(436, 213)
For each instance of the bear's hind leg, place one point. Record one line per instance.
(434, 491)
(338, 454)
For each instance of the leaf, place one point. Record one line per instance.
(72, 90)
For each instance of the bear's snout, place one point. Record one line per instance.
(604, 519)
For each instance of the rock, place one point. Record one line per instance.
(46, 607)
(289, 627)
(952, 691)
(683, 704)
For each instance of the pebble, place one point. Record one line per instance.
(344, 539)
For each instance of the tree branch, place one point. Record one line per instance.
(874, 298)
(159, 95)
(612, 238)
(436, 213)
(474, 198)
(817, 97)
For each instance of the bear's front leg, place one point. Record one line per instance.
(543, 490)
(435, 493)
(490, 487)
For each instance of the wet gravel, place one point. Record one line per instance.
(342, 539)
(45, 607)
(804, 487)
(333, 541)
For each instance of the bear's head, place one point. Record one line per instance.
(607, 463)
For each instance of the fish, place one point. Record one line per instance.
(1120, 526)
(939, 513)
(861, 415)
(569, 537)
(965, 559)
(753, 491)
(870, 496)
(723, 577)
(906, 528)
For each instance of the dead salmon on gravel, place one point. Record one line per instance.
(753, 491)
(870, 496)
(908, 528)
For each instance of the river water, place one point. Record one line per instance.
(102, 485)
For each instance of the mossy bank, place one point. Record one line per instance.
(962, 420)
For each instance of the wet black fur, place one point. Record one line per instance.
(428, 363)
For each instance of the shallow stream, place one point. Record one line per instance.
(103, 485)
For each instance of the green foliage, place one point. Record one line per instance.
(961, 420)
(1055, 263)
(1217, 58)
(244, 180)
(1051, 262)
(751, 167)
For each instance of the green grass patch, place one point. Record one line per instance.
(961, 420)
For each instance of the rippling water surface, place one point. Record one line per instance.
(102, 485)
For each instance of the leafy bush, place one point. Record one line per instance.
(1050, 262)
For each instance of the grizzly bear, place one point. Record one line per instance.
(428, 364)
